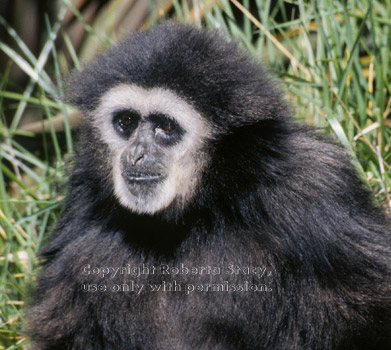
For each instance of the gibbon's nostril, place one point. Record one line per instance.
(137, 157)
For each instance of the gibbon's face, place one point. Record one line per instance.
(155, 140)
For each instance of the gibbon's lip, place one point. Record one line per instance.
(142, 177)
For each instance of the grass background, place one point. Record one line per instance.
(333, 58)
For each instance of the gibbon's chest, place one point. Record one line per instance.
(171, 301)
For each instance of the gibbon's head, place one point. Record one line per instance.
(159, 101)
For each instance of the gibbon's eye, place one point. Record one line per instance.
(125, 122)
(167, 126)
(163, 122)
(166, 129)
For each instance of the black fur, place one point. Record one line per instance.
(276, 195)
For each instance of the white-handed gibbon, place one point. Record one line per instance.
(200, 215)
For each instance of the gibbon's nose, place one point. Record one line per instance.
(138, 152)
(141, 144)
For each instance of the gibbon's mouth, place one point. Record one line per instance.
(138, 177)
